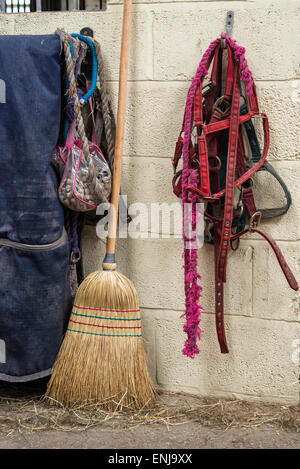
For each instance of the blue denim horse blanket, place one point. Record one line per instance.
(34, 249)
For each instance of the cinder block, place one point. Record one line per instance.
(260, 365)
(272, 296)
(147, 180)
(268, 194)
(107, 27)
(276, 100)
(155, 112)
(148, 328)
(155, 267)
(183, 31)
(7, 23)
(154, 117)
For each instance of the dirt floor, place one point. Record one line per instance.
(178, 422)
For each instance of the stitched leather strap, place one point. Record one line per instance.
(276, 212)
(219, 293)
(230, 175)
(239, 181)
(282, 262)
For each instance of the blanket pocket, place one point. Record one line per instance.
(35, 303)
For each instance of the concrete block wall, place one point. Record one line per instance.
(262, 313)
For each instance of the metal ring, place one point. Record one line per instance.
(75, 257)
(241, 210)
(234, 248)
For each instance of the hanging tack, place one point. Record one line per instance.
(229, 25)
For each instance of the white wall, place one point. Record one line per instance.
(262, 313)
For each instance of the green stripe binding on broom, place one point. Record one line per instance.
(106, 368)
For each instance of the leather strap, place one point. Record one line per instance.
(198, 106)
(276, 212)
(282, 262)
(239, 181)
(79, 264)
(230, 174)
(214, 143)
(256, 155)
(219, 294)
(204, 166)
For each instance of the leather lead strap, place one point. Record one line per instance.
(219, 295)
(230, 176)
(223, 230)
(282, 262)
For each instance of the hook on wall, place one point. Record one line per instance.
(87, 32)
(87, 63)
(229, 25)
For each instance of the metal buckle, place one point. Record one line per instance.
(240, 207)
(219, 162)
(254, 220)
(195, 160)
(207, 89)
(260, 116)
(209, 197)
(217, 106)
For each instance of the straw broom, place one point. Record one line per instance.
(102, 357)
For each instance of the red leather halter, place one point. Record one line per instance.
(212, 115)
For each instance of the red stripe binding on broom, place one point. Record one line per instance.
(110, 310)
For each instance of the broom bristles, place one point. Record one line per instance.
(102, 358)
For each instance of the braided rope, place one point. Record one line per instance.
(82, 50)
(239, 54)
(191, 276)
(70, 65)
(105, 107)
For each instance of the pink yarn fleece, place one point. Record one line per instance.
(191, 276)
(239, 54)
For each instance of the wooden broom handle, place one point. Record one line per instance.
(111, 242)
